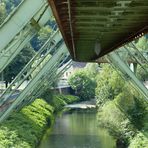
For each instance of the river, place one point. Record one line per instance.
(77, 130)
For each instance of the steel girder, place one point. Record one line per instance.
(45, 83)
(115, 59)
(17, 21)
(39, 61)
(26, 72)
(61, 50)
(8, 53)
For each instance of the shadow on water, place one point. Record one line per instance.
(77, 129)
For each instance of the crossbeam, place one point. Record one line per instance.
(23, 37)
(61, 50)
(12, 26)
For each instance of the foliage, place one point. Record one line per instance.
(122, 109)
(111, 117)
(59, 101)
(83, 85)
(44, 33)
(2, 12)
(141, 73)
(25, 128)
(142, 43)
(125, 100)
(41, 37)
(91, 70)
(17, 64)
(139, 141)
(70, 99)
(109, 84)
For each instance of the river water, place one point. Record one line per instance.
(77, 130)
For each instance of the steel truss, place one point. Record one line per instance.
(17, 42)
(122, 66)
(41, 65)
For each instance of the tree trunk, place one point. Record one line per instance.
(6, 84)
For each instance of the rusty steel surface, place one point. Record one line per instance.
(110, 23)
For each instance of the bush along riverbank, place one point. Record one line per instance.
(122, 110)
(24, 129)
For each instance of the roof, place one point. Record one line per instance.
(78, 64)
(92, 25)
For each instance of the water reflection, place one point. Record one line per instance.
(77, 130)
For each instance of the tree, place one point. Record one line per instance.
(142, 44)
(142, 71)
(11, 4)
(17, 64)
(83, 85)
(92, 69)
(109, 84)
(2, 12)
(41, 37)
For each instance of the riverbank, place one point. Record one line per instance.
(122, 128)
(25, 129)
(77, 129)
(121, 109)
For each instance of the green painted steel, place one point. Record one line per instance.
(12, 50)
(26, 72)
(45, 83)
(61, 50)
(127, 73)
(112, 23)
(17, 21)
(24, 36)
(31, 70)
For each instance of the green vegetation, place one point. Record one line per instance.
(141, 73)
(58, 101)
(11, 71)
(83, 82)
(139, 141)
(121, 108)
(6, 7)
(142, 45)
(25, 129)
(2, 12)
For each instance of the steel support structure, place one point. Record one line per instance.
(38, 62)
(26, 72)
(45, 83)
(60, 51)
(23, 37)
(138, 57)
(16, 22)
(116, 60)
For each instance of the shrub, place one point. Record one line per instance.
(59, 101)
(112, 118)
(139, 141)
(25, 128)
(83, 85)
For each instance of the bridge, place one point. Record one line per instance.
(87, 31)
